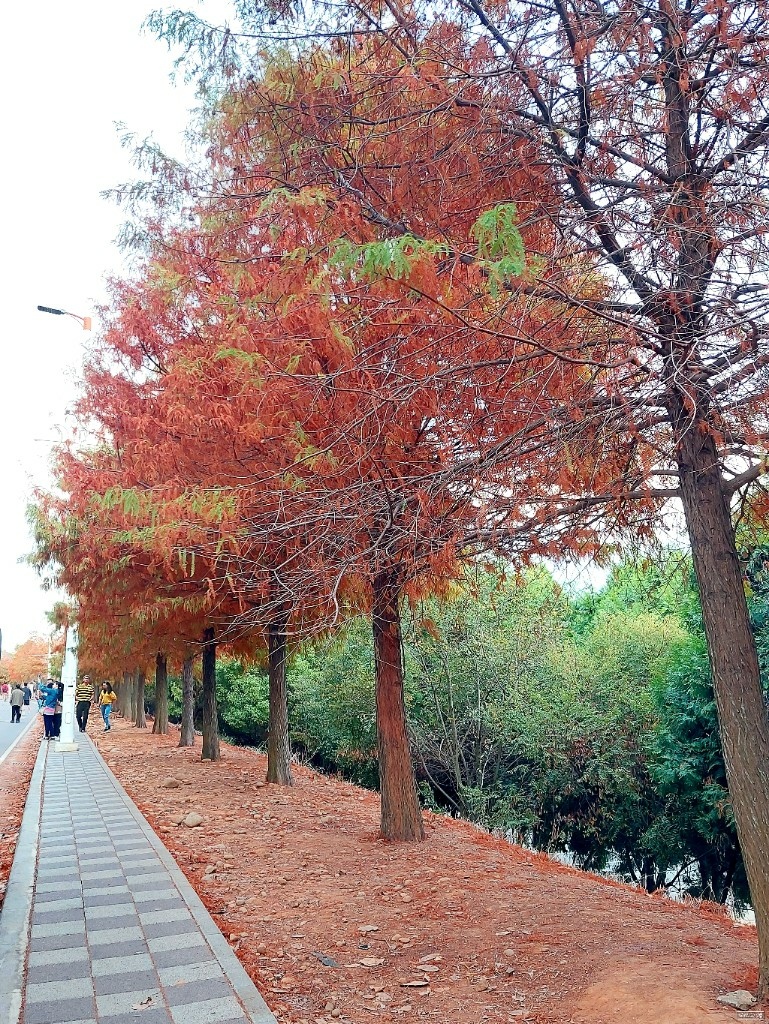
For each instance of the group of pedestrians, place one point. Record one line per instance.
(50, 695)
(84, 697)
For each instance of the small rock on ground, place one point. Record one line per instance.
(740, 1000)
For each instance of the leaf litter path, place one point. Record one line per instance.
(335, 925)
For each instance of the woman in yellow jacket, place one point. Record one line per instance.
(107, 698)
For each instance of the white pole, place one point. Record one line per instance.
(69, 679)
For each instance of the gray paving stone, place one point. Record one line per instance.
(164, 942)
(102, 932)
(53, 869)
(89, 1021)
(186, 956)
(124, 909)
(59, 972)
(123, 1002)
(108, 950)
(108, 899)
(43, 888)
(190, 972)
(145, 882)
(170, 928)
(38, 958)
(150, 898)
(97, 888)
(198, 991)
(176, 914)
(49, 905)
(122, 964)
(97, 874)
(153, 1015)
(65, 880)
(59, 1010)
(208, 1011)
(47, 991)
(42, 916)
(48, 943)
(44, 931)
(130, 981)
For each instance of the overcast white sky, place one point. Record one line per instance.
(67, 73)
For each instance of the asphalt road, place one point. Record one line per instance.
(9, 731)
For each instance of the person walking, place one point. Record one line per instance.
(49, 696)
(83, 698)
(107, 698)
(27, 694)
(17, 700)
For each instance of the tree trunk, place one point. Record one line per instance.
(278, 743)
(210, 711)
(140, 719)
(160, 724)
(401, 816)
(124, 696)
(187, 733)
(132, 683)
(742, 716)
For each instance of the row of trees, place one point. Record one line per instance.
(579, 724)
(438, 283)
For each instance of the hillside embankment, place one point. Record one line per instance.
(334, 924)
(15, 774)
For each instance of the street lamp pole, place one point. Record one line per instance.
(84, 320)
(69, 668)
(69, 680)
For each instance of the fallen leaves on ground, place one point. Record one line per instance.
(333, 924)
(15, 773)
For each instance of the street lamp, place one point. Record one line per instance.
(69, 668)
(84, 320)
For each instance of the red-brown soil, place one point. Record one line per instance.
(15, 773)
(462, 928)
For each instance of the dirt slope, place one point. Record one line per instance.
(463, 928)
(15, 773)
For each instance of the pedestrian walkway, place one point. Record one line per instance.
(117, 935)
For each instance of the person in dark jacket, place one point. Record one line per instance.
(27, 694)
(17, 700)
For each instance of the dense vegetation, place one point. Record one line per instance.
(581, 723)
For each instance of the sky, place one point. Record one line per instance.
(68, 72)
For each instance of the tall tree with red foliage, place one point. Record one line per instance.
(648, 122)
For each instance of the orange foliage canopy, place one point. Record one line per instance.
(29, 661)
